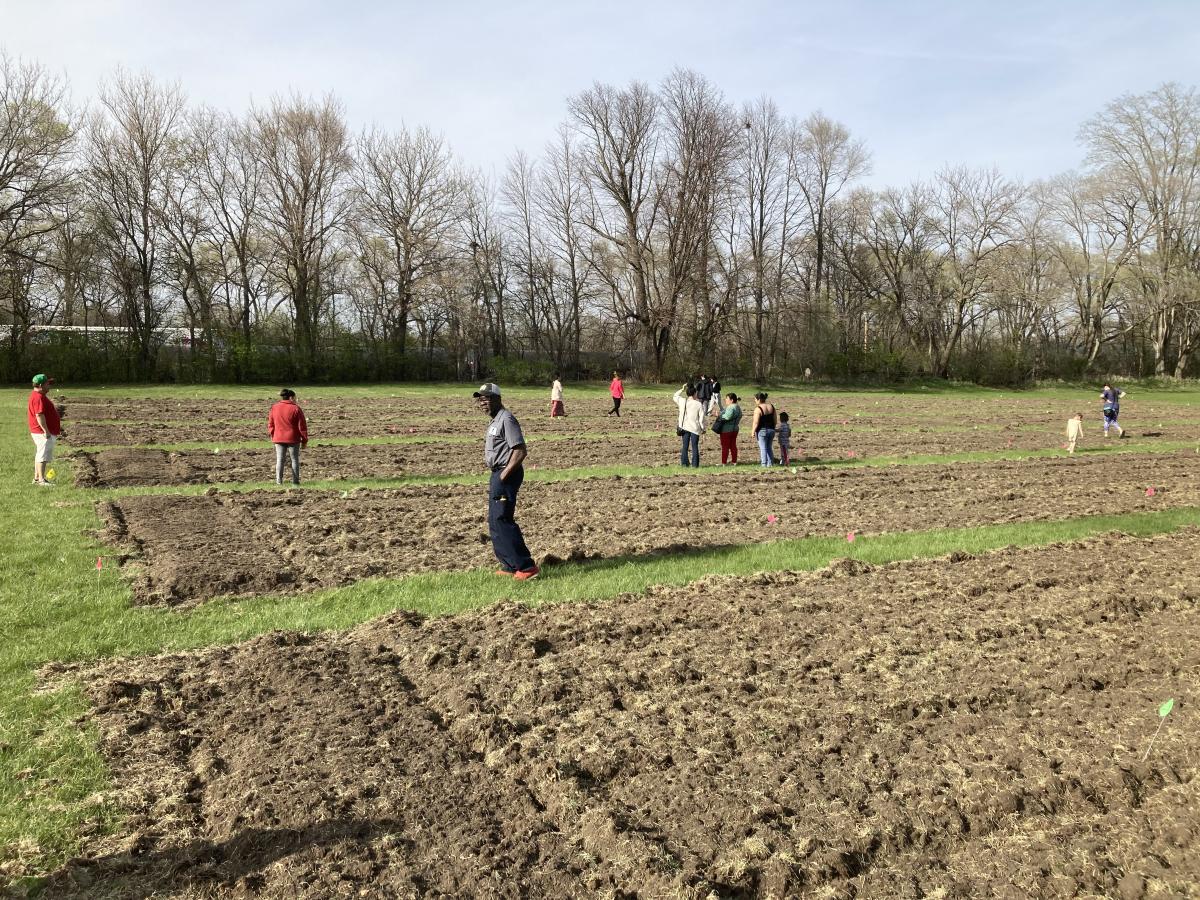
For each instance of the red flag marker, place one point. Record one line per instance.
(99, 562)
(851, 454)
(850, 536)
(1150, 492)
(772, 519)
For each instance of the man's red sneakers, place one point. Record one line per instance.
(527, 574)
(504, 573)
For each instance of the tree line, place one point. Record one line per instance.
(664, 229)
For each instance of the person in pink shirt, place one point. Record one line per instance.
(289, 433)
(45, 427)
(617, 390)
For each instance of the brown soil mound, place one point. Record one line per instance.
(190, 548)
(968, 727)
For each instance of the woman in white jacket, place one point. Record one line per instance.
(691, 424)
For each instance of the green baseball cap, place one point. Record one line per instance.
(42, 379)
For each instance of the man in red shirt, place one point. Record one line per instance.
(289, 432)
(45, 425)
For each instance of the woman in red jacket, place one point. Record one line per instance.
(289, 433)
(617, 390)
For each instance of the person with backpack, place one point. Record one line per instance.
(690, 424)
(1110, 398)
(727, 425)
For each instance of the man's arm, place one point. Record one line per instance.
(515, 459)
(41, 420)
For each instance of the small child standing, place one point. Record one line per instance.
(784, 433)
(1074, 431)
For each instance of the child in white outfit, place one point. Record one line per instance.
(1074, 431)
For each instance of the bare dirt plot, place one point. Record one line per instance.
(129, 466)
(190, 548)
(975, 422)
(466, 421)
(958, 728)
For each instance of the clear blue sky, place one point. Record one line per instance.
(923, 83)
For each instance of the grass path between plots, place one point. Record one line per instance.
(55, 605)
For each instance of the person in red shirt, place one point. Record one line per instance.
(289, 433)
(45, 425)
(617, 391)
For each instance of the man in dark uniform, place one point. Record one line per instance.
(503, 453)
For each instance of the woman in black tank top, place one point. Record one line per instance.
(764, 429)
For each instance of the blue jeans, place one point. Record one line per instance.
(765, 438)
(687, 439)
(507, 541)
(293, 452)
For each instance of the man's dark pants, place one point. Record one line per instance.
(507, 541)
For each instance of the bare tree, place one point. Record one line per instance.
(699, 147)
(410, 194)
(765, 197)
(1151, 143)
(619, 138)
(131, 149)
(828, 159)
(560, 202)
(304, 151)
(1099, 233)
(37, 139)
(484, 240)
(517, 190)
(229, 181)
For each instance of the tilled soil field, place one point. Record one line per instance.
(466, 423)
(967, 727)
(189, 548)
(134, 466)
(122, 424)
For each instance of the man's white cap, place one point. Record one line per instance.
(487, 390)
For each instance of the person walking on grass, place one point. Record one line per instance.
(690, 424)
(556, 400)
(617, 391)
(1074, 432)
(727, 425)
(288, 430)
(1111, 400)
(45, 427)
(504, 454)
(763, 425)
(784, 436)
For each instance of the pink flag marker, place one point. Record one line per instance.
(1150, 492)
(850, 536)
(772, 519)
(851, 454)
